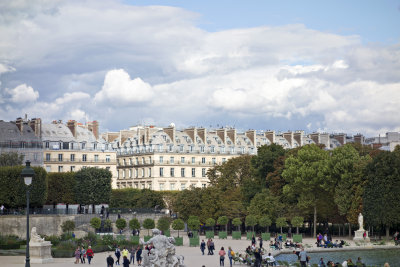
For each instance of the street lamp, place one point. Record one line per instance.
(27, 173)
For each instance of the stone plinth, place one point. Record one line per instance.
(40, 252)
(358, 236)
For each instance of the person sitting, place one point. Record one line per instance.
(270, 260)
(359, 263)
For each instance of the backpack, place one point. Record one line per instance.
(232, 253)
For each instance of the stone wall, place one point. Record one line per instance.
(51, 224)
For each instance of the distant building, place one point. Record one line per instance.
(22, 136)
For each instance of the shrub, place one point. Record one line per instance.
(164, 223)
(223, 220)
(265, 221)
(148, 224)
(178, 224)
(120, 223)
(134, 224)
(281, 222)
(107, 224)
(251, 220)
(68, 226)
(210, 222)
(95, 222)
(237, 222)
(55, 240)
(193, 223)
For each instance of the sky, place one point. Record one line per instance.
(327, 66)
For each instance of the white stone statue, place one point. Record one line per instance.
(361, 221)
(162, 252)
(35, 238)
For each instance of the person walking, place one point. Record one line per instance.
(89, 254)
(212, 247)
(209, 246)
(77, 255)
(118, 255)
(110, 261)
(83, 255)
(222, 254)
(303, 258)
(202, 246)
(132, 258)
(125, 261)
(139, 256)
(260, 241)
(253, 241)
(230, 255)
(125, 252)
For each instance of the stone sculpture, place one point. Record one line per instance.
(361, 222)
(40, 250)
(162, 252)
(35, 238)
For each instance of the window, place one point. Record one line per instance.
(193, 172)
(161, 159)
(223, 160)
(170, 148)
(60, 157)
(161, 172)
(107, 168)
(223, 149)
(137, 161)
(47, 144)
(193, 185)
(108, 158)
(95, 146)
(143, 161)
(203, 172)
(212, 149)
(202, 149)
(130, 162)
(130, 173)
(96, 158)
(182, 159)
(72, 157)
(142, 172)
(181, 148)
(150, 160)
(47, 156)
(182, 172)
(172, 186)
(65, 145)
(124, 160)
(136, 173)
(149, 172)
(84, 158)
(143, 186)
(183, 186)
(161, 187)
(48, 168)
(83, 145)
(204, 185)
(172, 172)
(123, 173)
(193, 160)
(72, 168)
(213, 161)
(171, 160)
(203, 160)
(60, 168)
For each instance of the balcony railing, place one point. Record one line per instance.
(111, 162)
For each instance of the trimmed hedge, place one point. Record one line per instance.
(266, 236)
(61, 253)
(10, 246)
(147, 238)
(167, 233)
(209, 234)
(135, 239)
(237, 235)
(223, 235)
(297, 238)
(249, 235)
(194, 242)
(178, 241)
(136, 198)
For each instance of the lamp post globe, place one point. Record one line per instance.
(27, 173)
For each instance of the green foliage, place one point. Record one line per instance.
(193, 223)
(134, 224)
(93, 186)
(237, 222)
(120, 223)
(11, 159)
(381, 197)
(210, 222)
(68, 226)
(223, 220)
(189, 203)
(107, 224)
(297, 221)
(95, 222)
(148, 224)
(178, 224)
(136, 198)
(281, 222)
(251, 220)
(264, 221)
(163, 223)
(264, 203)
(61, 187)
(13, 188)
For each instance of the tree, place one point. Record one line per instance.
(381, 197)
(297, 222)
(223, 220)
(136, 198)
(148, 224)
(107, 224)
(164, 223)
(178, 224)
(134, 224)
(305, 174)
(211, 200)
(95, 222)
(281, 222)
(68, 226)
(251, 220)
(189, 203)
(13, 188)
(210, 222)
(237, 222)
(120, 223)
(264, 203)
(11, 159)
(93, 186)
(193, 223)
(265, 221)
(61, 187)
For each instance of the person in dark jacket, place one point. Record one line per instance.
(110, 261)
(202, 246)
(125, 261)
(139, 255)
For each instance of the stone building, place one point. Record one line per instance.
(22, 136)
(73, 146)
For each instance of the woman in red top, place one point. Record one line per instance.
(89, 254)
(221, 256)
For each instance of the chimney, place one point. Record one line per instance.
(36, 125)
(71, 124)
(20, 124)
(341, 138)
(191, 132)
(270, 135)
(202, 133)
(289, 137)
(222, 134)
(315, 137)
(359, 139)
(251, 134)
(298, 137)
(93, 126)
(170, 131)
(231, 133)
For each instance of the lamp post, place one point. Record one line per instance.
(27, 173)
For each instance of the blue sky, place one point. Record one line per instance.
(329, 66)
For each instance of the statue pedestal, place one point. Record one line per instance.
(40, 252)
(358, 236)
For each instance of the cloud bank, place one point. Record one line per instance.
(122, 64)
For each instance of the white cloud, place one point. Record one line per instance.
(119, 89)
(22, 93)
